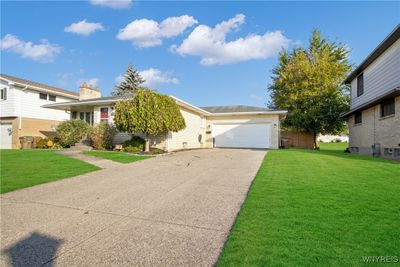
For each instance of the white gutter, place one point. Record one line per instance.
(190, 105)
(249, 113)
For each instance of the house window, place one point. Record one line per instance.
(358, 117)
(104, 114)
(3, 93)
(87, 117)
(42, 96)
(52, 98)
(360, 84)
(387, 108)
(81, 115)
(74, 115)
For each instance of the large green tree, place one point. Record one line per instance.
(132, 81)
(308, 83)
(150, 113)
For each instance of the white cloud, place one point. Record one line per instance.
(115, 4)
(154, 77)
(92, 81)
(148, 33)
(210, 44)
(84, 28)
(43, 52)
(256, 97)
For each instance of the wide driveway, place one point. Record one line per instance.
(166, 211)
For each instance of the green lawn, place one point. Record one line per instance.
(25, 168)
(317, 208)
(121, 157)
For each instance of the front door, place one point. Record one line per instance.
(6, 135)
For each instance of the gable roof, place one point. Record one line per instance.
(39, 85)
(379, 50)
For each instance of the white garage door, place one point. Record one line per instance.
(5, 135)
(242, 135)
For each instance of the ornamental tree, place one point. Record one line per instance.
(148, 112)
(308, 83)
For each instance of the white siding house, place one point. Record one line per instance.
(374, 116)
(21, 111)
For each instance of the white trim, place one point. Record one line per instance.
(248, 113)
(190, 105)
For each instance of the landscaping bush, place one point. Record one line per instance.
(135, 144)
(102, 136)
(71, 132)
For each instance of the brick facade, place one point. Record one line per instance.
(384, 132)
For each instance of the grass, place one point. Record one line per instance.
(25, 168)
(121, 157)
(325, 208)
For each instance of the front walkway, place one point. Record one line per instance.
(166, 211)
(97, 161)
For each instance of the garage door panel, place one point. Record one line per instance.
(242, 135)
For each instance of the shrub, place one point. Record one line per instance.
(102, 136)
(135, 144)
(71, 132)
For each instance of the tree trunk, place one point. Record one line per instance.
(315, 141)
(147, 143)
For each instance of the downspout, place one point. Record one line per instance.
(20, 108)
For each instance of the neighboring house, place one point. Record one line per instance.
(21, 112)
(374, 116)
(230, 126)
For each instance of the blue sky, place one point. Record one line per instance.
(176, 44)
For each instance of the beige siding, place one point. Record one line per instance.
(375, 130)
(380, 77)
(272, 119)
(188, 137)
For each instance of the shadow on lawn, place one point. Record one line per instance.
(34, 250)
(350, 156)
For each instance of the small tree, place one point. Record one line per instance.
(132, 81)
(102, 135)
(71, 132)
(150, 113)
(308, 83)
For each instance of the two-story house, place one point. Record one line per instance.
(21, 112)
(374, 116)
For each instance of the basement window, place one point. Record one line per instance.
(358, 117)
(387, 108)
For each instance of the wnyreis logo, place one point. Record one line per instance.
(380, 259)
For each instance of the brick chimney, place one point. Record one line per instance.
(87, 92)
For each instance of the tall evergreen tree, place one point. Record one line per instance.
(308, 83)
(132, 82)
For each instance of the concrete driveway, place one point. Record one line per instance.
(170, 210)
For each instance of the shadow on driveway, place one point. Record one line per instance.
(34, 250)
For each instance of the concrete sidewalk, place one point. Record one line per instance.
(164, 211)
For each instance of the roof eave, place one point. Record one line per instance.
(393, 93)
(69, 95)
(272, 112)
(379, 50)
